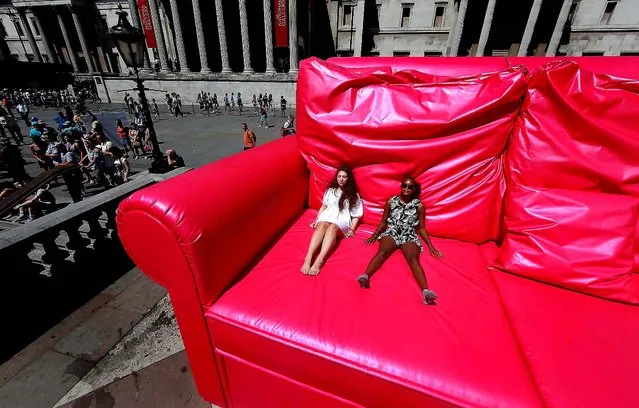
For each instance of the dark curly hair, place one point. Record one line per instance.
(349, 191)
(418, 188)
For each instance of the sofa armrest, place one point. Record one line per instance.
(197, 233)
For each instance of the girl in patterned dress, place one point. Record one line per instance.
(401, 222)
(339, 215)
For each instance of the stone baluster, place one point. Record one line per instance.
(52, 252)
(76, 240)
(27, 30)
(268, 36)
(221, 33)
(67, 41)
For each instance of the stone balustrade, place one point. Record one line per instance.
(54, 264)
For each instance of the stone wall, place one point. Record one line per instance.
(608, 43)
(188, 86)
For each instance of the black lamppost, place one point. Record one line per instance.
(130, 43)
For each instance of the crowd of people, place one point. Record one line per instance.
(45, 98)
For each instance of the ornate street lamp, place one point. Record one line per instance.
(130, 43)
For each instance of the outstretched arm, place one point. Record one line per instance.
(382, 225)
(422, 232)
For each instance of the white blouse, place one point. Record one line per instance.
(343, 219)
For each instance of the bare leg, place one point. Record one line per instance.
(330, 237)
(386, 248)
(316, 241)
(411, 253)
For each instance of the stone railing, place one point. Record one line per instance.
(54, 264)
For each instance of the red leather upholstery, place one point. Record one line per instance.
(328, 333)
(581, 351)
(587, 142)
(228, 240)
(452, 149)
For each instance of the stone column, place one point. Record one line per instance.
(292, 36)
(159, 36)
(221, 33)
(67, 41)
(559, 29)
(268, 35)
(246, 50)
(135, 17)
(451, 31)
(201, 41)
(45, 40)
(530, 28)
(83, 40)
(459, 28)
(485, 28)
(358, 26)
(181, 51)
(30, 37)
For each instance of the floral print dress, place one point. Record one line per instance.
(402, 221)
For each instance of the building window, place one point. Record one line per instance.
(35, 27)
(406, 10)
(593, 54)
(347, 16)
(608, 11)
(432, 53)
(440, 12)
(19, 29)
(401, 53)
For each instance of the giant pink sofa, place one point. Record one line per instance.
(530, 178)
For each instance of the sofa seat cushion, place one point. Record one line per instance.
(581, 350)
(382, 346)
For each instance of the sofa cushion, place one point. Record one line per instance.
(577, 131)
(446, 132)
(582, 351)
(581, 240)
(379, 347)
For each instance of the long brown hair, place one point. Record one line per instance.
(349, 191)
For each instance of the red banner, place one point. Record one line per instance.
(281, 23)
(147, 24)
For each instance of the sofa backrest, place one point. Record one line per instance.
(386, 123)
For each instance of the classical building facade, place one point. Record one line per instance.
(485, 27)
(226, 46)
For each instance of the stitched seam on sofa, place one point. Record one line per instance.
(520, 349)
(190, 270)
(354, 366)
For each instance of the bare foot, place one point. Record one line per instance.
(306, 267)
(315, 269)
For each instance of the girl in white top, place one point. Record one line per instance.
(339, 215)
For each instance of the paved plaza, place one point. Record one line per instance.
(123, 347)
